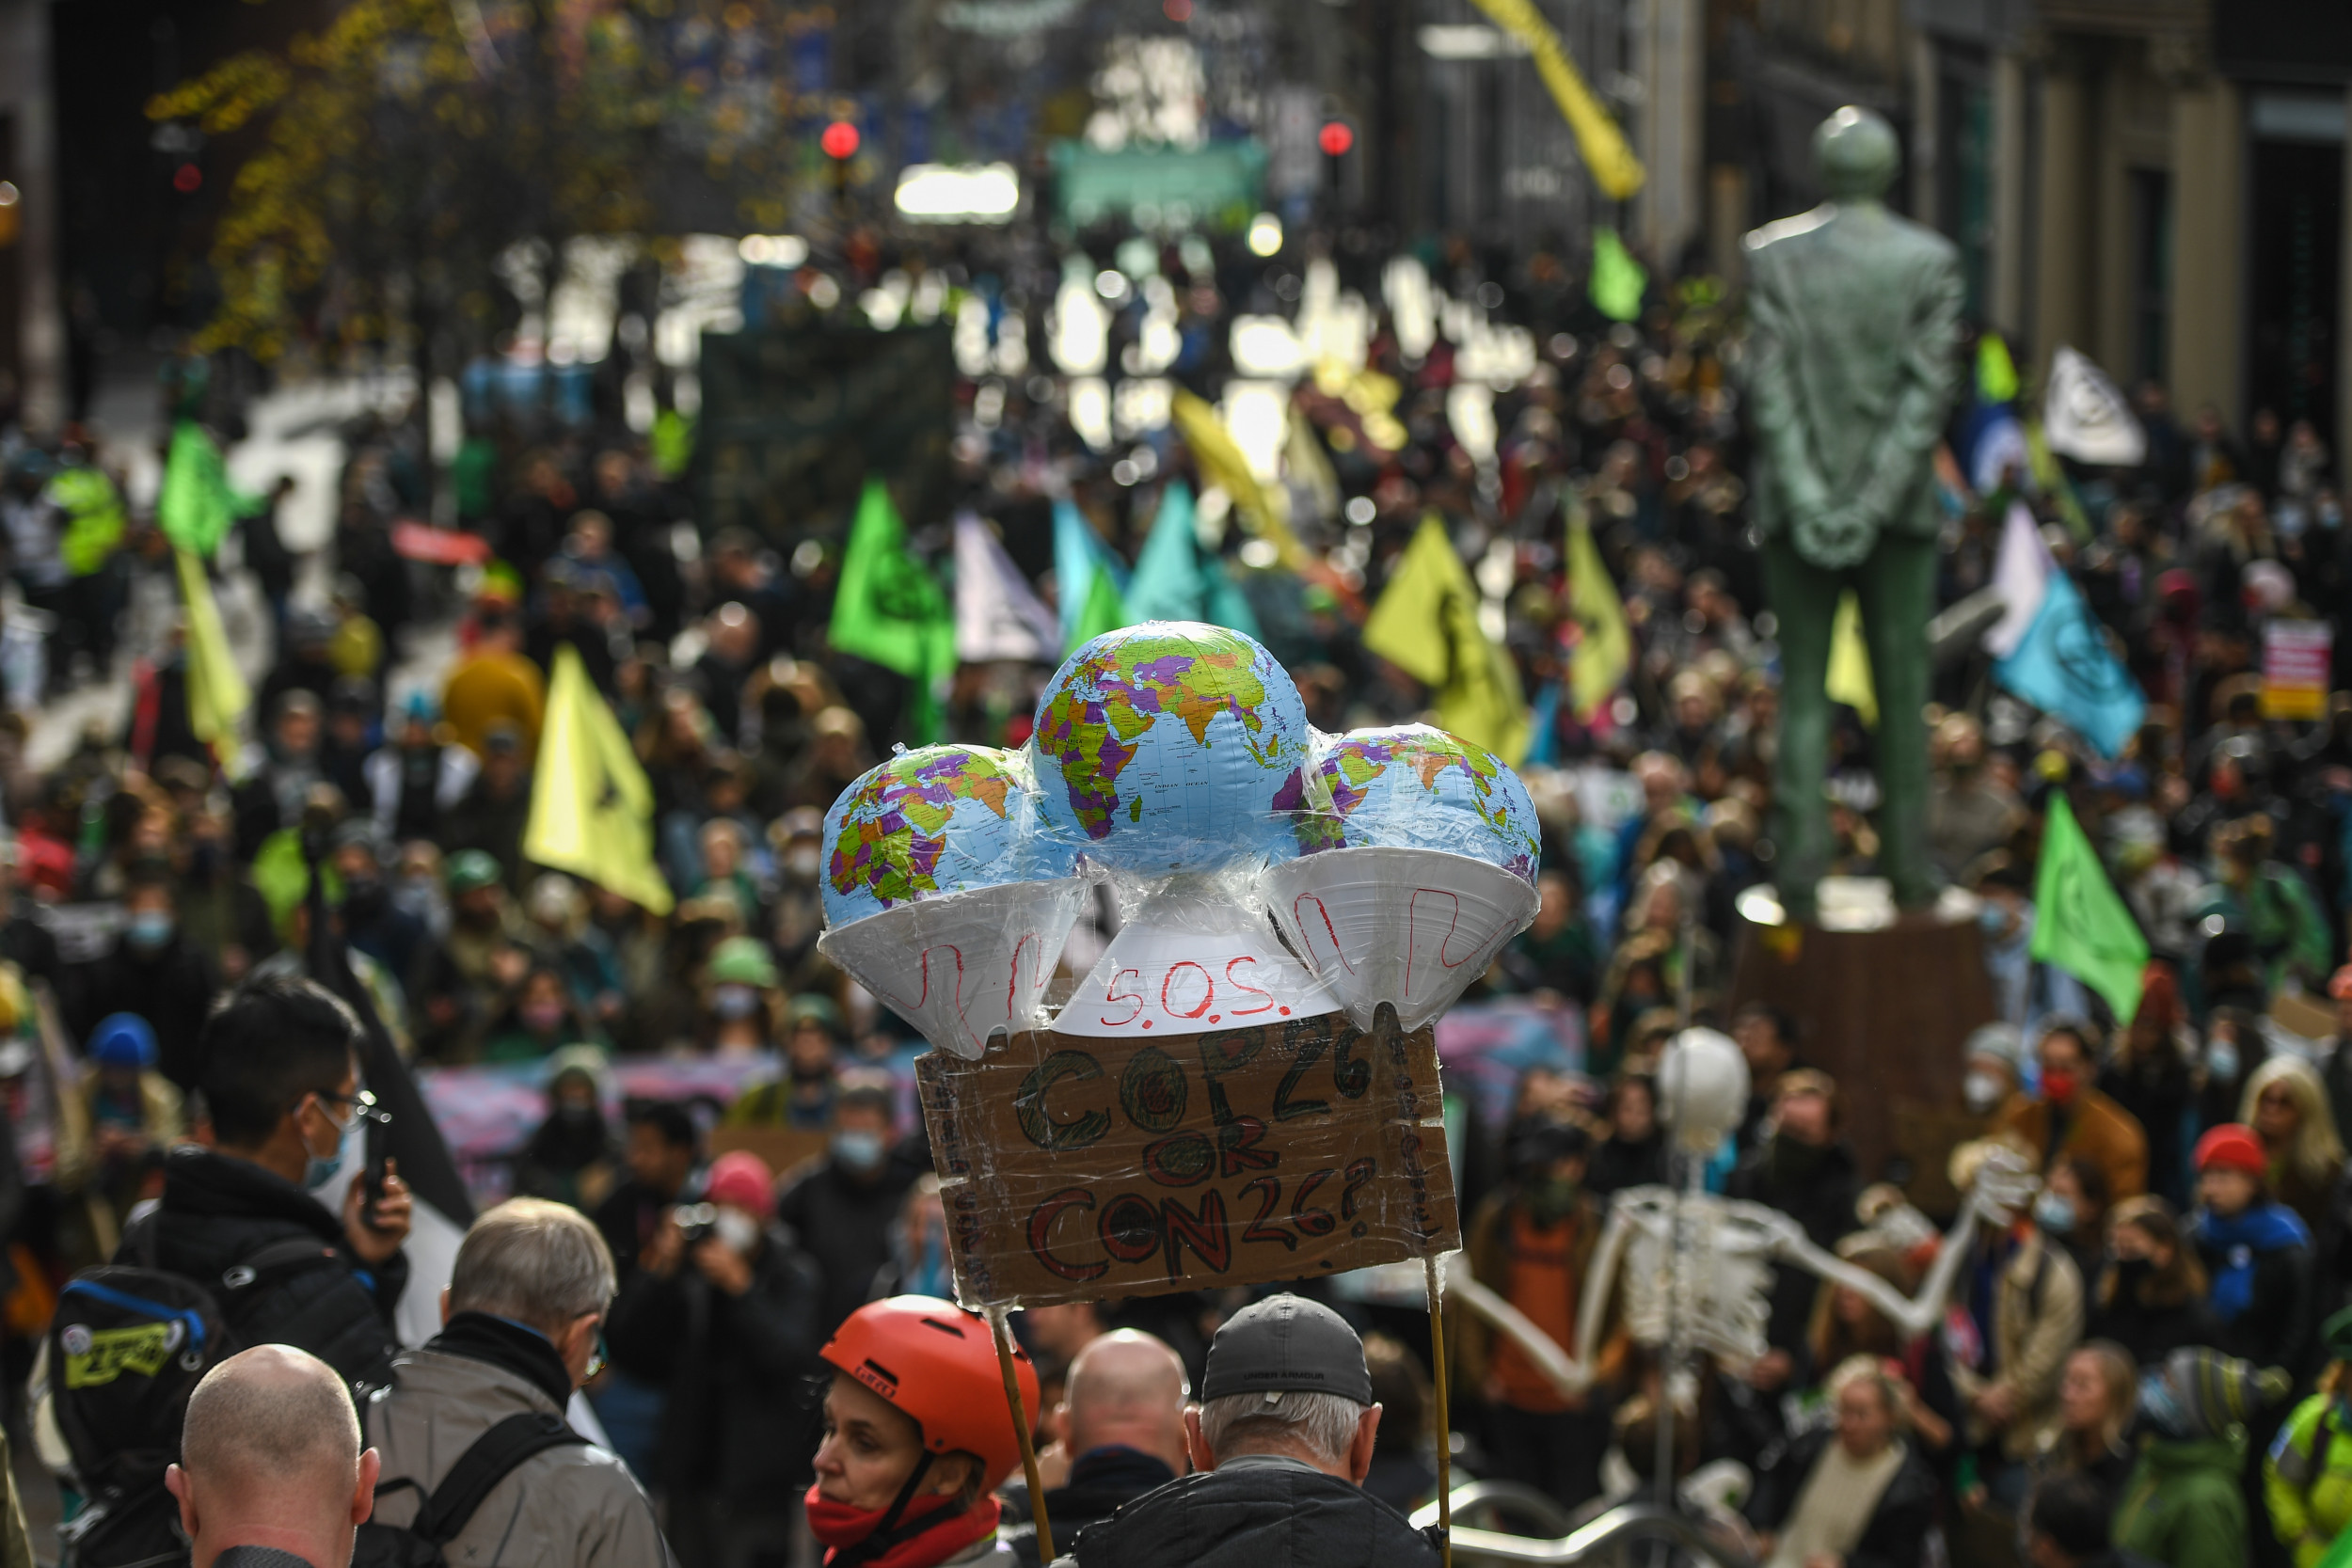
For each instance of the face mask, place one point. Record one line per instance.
(2054, 1214)
(574, 1115)
(2058, 1087)
(1983, 1091)
(149, 929)
(858, 1150)
(2131, 1274)
(732, 1001)
(737, 1230)
(802, 865)
(318, 1172)
(2221, 1061)
(1549, 1201)
(542, 1018)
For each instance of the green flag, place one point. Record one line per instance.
(1426, 625)
(2080, 923)
(1102, 610)
(1996, 373)
(890, 610)
(198, 505)
(1618, 279)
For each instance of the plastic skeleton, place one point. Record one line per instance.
(1706, 1288)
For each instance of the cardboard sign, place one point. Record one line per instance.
(1078, 1167)
(2295, 659)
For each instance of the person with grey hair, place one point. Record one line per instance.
(271, 1473)
(1279, 1446)
(522, 1325)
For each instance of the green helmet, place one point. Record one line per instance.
(743, 961)
(469, 869)
(809, 1007)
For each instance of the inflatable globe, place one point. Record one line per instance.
(927, 823)
(1414, 787)
(1172, 746)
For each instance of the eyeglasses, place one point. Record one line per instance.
(362, 1105)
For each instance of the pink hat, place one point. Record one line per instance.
(743, 1180)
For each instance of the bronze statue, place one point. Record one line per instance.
(1854, 316)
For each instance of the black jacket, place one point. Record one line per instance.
(1817, 1189)
(1898, 1525)
(2152, 1333)
(218, 1211)
(1101, 1479)
(1255, 1516)
(171, 988)
(733, 1367)
(845, 1224)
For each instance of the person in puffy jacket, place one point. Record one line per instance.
(2256, 1252)
(2182, 1506)
(1279, 1445)
(279, 1077)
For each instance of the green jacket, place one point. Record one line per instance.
(2311, 1503)
(2182, 1506)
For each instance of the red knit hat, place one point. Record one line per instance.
(2339, 982)
(743, 1180)
(2232, 1147)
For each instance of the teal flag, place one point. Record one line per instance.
(2080, 923)
(1173, 582)
(1090, 579)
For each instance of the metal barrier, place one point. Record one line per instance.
(1628, 1524)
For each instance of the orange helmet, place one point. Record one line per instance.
(937, 1363)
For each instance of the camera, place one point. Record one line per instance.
(695, 1220)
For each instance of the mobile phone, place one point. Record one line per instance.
(379, 1150)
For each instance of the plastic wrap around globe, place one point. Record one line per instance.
(1703, 1089)
(1412, 927)
(1413, 786)
(929, 823)
(963, 966)
(1172, 746)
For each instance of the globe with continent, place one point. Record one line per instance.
(1172, 746)
(927, 823)
(1414, 787)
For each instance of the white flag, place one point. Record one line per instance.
(2084, 415)
(2021, 573)
(998, 616)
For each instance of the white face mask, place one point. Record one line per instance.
(737, 1230)
(1983, 1091)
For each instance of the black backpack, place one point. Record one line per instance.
(125, 1348)
(420, 1542)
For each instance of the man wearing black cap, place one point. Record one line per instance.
(1280, 1447)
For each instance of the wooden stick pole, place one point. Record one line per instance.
(1020, 1429)
(1445, 1421)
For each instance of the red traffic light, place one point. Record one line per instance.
(839, 140)
(1335, 137)
(186, 178)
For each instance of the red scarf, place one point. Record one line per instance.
(949, 1529)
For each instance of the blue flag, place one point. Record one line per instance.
(2062, 665)
(1088, 574)
(1174, 582)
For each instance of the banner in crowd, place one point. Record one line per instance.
(2296, 657)
(793, 420)
(1074, 1168)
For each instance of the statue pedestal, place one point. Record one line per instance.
(1884, 1004)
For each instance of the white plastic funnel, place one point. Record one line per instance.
(961, 967)
(1193, 957)
(1408, 926)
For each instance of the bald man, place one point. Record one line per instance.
(1122, 1412)
(271, 1474)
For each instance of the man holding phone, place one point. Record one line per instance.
(278, 1068)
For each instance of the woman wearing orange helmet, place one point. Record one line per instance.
(916, 1438)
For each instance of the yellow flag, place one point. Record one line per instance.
(1222, 465)
(1605, 651)
(1615, 170)
(218, 694)
(591, 803)
(1849, 680)
(1426, 625)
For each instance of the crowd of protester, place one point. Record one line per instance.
(2152, 1355)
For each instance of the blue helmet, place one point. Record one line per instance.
(123, 1039)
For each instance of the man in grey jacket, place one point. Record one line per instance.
(524, 1309)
